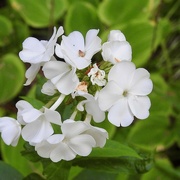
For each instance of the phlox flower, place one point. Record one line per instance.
(62, 76)
(10, 130)
(76, 50)
(116, 49)
(37, 52)
(67, 145)
(37, 124)
(97, 76)
(125, 94)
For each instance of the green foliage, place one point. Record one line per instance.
(151, 27)
(11, 77)
(7, 172)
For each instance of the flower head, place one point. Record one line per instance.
(125, 94)
(78, 52)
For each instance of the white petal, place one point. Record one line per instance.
(93, 43)
(48, 88)
(99, 134)
(32, 51)
(62, 151)
(10, 130)
(37, 131)
(93, 109)
(52, 116)
(74, 41)
(31, 115)
(109, 95)
(58, 51)
(139, 106)
(121, 73)
(44, 149)
(116, 35)
(120, 114)
(82, 144)
(54, 68)
(67, 83)
(140, 83)
(73, 128)
(31, 73)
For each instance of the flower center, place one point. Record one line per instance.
(81, 53)
(125, 93)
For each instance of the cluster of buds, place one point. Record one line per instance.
(109, 87)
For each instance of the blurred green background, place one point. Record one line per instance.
(150, 26)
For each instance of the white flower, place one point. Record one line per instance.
(116, 51)
(116, 35)
(78, 52)
(37, 124)
(125, 94)
(67, 145)
(37, 52)
(97, 76)
(62, 76)
(91, 106)
(10, 130)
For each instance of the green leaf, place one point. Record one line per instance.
(12, 155)
(81, 16)
(93, 2)
(11, 77)
(162, 170)
(115, 158)
(5, 30)
(40, 13)
(59, 170)
(7, 172)
(114, 11)
(150, 132)
(33, 176)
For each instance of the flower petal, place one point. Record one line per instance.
(72, 128)
(82, 144)
(109, 95)
(140, 83)
(37, 131)
(10, 130)
(139, 106)
(120, 114)
(122, 73)
(116, 35)
(62, 151)
(31, 73)
(32, 51)
(52, 116)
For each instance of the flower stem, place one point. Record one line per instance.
(58, 102)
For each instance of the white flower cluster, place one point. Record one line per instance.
(112, 86)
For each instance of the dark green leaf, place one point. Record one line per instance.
(115, 158)
(33, 176)
(59, 170)
(8, 173)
